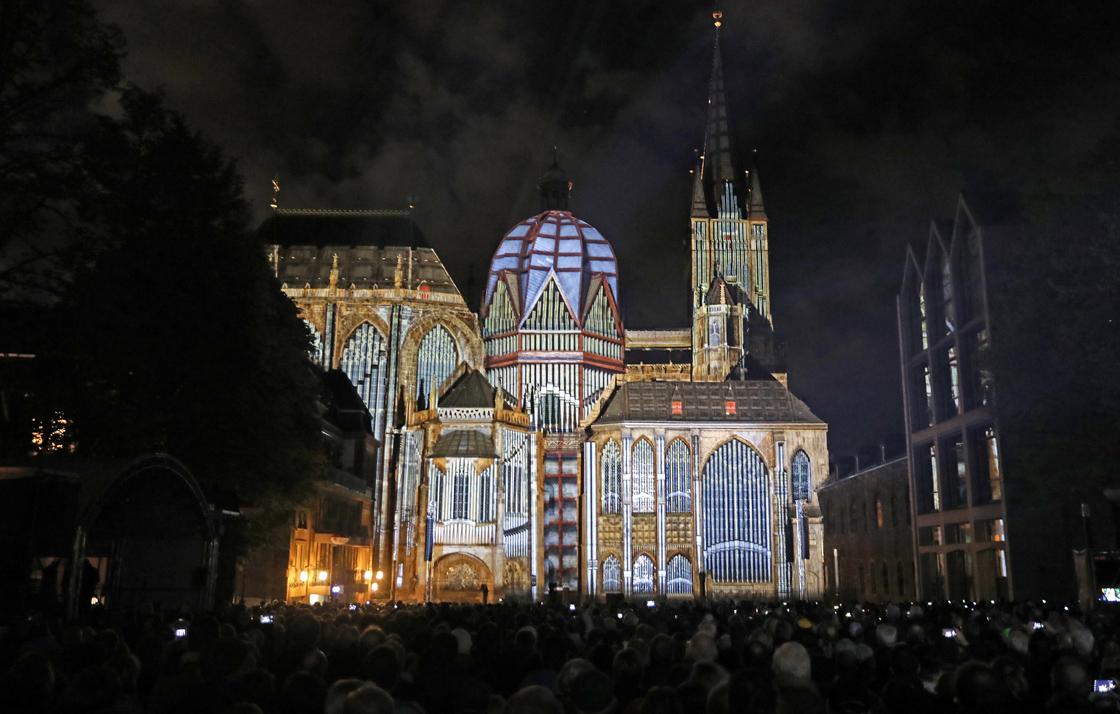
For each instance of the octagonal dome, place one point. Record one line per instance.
(553, 241)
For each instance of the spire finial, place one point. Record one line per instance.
(275, 193)
(717, 16)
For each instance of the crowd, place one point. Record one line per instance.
(638, 658)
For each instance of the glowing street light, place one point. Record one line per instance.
(303, 576)
(322, 575)
(380, 574)
(368, 575)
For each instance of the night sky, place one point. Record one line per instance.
(867, 118)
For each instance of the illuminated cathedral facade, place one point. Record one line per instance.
(539, 446)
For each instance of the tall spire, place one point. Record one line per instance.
(699, 202)
(554, 186)
(717, 137)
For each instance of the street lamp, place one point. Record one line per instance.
(322, 575)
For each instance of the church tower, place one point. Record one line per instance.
(729, 225)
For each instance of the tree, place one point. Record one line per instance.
(175, 335)
(56, 60)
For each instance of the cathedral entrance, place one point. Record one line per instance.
(459, 578)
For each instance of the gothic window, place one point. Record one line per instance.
(678, 476)
(802, 477)
(715, 330)
(600, 319)
(736, 515)
(514, 481)
(947, 294)
(680, 576)
(886, 579)
(486, 496)
(460, 488)
(643, 574)
(612, 575)
(920, 316)
(437, 358)
(644, 494)
(611, 467)
(363, 361)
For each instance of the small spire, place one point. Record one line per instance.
(334, 272)
(755, 207)
(398, 273)
(717, 137)
(275, 193)
(699, 201)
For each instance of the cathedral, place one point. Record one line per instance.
(539, 447)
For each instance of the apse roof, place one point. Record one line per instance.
(756, 401)
(466, 444)
(553, 241)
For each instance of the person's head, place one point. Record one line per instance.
(1069, 677)
(887, 635)
(791, 660)
(702, 648)
(568, 673)
(463, 639)
(302, 693)
(367, 699)
(533, 700)
(627, 671)
(337, 694)
(978, 688)
(709, 675)
(1018, 641)
(382, 667)
(592, 692)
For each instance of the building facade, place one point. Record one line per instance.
(868, 537)
(956, 469)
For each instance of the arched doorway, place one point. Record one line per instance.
(459, 577)
(153, 526)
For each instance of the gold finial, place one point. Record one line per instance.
(398, 274)
(334, 272)
(499, 403)
(718, 16)
(275, 194)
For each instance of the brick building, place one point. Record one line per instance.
(868, 540)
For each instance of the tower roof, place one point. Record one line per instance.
(554, 241)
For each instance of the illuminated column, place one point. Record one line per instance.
(627, 504)
(659, 461)
(781, 508)
(591, 501)
(697, 508)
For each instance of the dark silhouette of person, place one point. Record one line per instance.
(485, 593)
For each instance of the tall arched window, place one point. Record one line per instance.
(486, 496)
(678, 478)
(886, 579)
(611, 466)
(680, 576)
(802, 477)
(363, 361)
(436, 360)
(642, 469)
(460, 487)
(643, 574)
(736, 513)
(612, 575)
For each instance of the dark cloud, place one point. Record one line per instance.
(867, 117)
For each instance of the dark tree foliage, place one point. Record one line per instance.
(176, 337)
(56, 59)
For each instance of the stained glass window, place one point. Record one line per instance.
(644, 497)
(363, 361)
(612, 575)
(612, 478)
(678, 474)
(736, 515)
(680, 576)
(436, 360)
(802, 477)
(643, 574)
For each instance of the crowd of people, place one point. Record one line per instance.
(519, 658)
